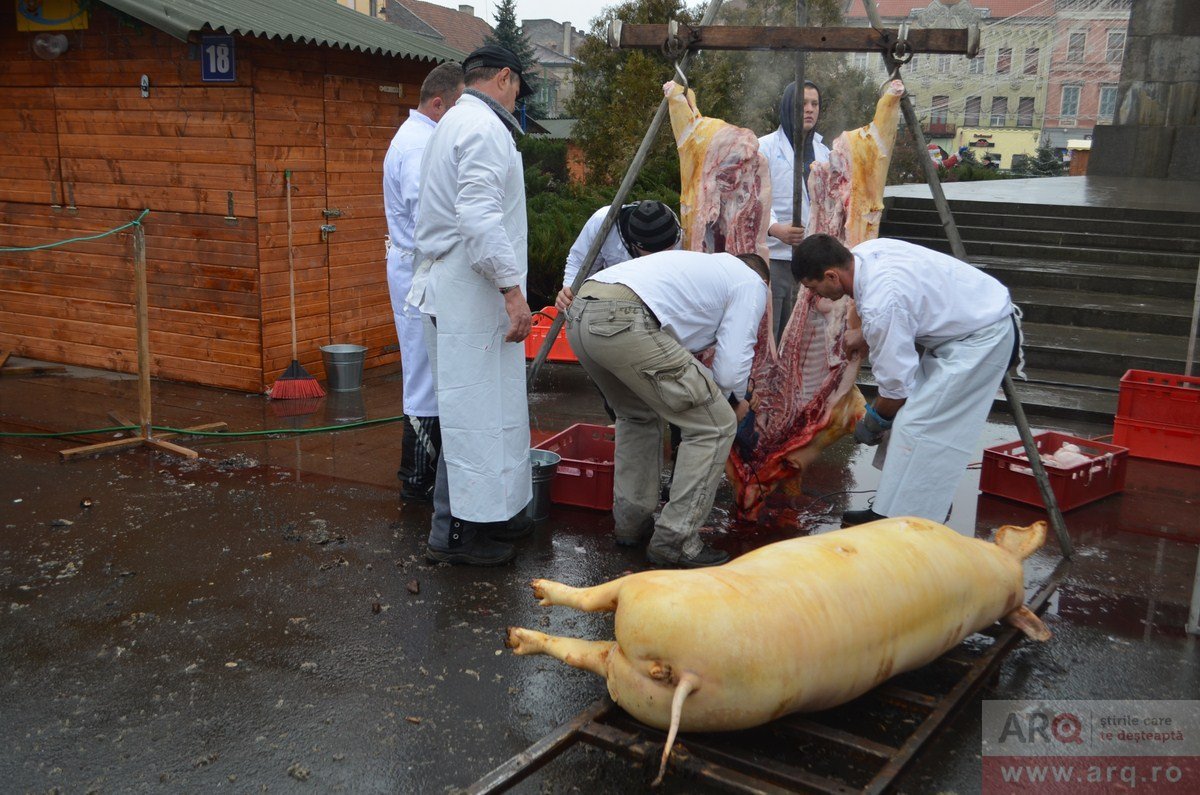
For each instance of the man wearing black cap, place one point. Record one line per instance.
(471, 249)
(642, 228)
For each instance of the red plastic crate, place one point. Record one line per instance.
(1006, 472)
(560, 349)
(585, 473)
(1158, 441)
(1163, 398)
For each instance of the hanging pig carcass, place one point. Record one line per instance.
(800, 625)
(806, 388)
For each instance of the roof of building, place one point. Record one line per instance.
(462, 31)
(557, 128)
(996, 9)
(303, 21)
(548, 56)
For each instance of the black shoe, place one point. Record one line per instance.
(852, 518)
(479, 551)
(707, 556)
(514, 529)
(416, 494)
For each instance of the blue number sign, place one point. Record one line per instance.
(217, 64)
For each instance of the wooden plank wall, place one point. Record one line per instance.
(328, 121)
(360, 121)
(219, 292)
(84, 136)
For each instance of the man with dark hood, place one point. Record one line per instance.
(783, 233)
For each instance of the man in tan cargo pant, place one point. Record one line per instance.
(635, 327)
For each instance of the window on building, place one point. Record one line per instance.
(943, 64)
(861, 61)
(1031, 60)
(1075, 46)
(976, 64)
(1004, 60)
(1108, 102)
(1116, 46)
(971, 111)
(940, 112)
(1070, 102)
(1025, 112)
(1018, 162)
(999, 117)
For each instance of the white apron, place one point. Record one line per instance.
(420, 396)
(938, 428)
(482, 400)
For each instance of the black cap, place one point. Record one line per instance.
(498, 56)
(650, 225)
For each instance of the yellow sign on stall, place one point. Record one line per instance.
(38, 15)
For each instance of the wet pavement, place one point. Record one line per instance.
(262, 618)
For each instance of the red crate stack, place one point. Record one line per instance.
(1006, 471)
(1158, 416)
(585, 473)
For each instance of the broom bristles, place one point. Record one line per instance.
(296, 383)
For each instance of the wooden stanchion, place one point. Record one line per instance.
(145, 434)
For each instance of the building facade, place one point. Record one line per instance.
(1037, 59)
(1085, 72)
(554, 45)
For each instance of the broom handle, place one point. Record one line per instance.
(287, 183)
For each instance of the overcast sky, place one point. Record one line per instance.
(578, 12)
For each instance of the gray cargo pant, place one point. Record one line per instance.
(647, 377)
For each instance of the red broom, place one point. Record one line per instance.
(295, 382)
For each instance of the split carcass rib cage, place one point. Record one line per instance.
(859, 747)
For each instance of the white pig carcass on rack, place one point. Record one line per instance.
(800, 625)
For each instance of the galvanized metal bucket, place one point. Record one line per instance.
(545, 464)
(343, 366)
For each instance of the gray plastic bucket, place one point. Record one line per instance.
(545, 464)
(343, 366)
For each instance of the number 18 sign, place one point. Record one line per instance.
(217, 64)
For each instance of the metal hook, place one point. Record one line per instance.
(901, 50)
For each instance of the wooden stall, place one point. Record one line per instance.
(124, 119)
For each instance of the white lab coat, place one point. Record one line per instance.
(612, 250)
(401, 189)
(780, 156)
(703, 301)
(471, 239)
(909, 295)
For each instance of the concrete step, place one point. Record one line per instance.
(1081, 211)
(1044, 396)
(1068, 253)
(1098, 241)
(998, 220)
(1109, 310)
(1101, 351)
(1138, 280)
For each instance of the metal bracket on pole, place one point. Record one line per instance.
(960, 252)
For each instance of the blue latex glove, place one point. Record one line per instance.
(870, 429)
(746, 437)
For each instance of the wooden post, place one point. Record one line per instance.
(798, 133)
(145, 434)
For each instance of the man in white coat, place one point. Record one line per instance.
(471, 250)
(635, 328)
(641, 228)
(401, 189)
(782, 234)
(933, 402)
